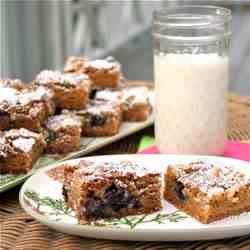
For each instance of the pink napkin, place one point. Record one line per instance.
(234, 149)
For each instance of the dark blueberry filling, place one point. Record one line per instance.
(2, 160)
(51, 136)
(3, 113)
(114, 199)
(65, 193)
(178, 191)
(58, 111)
(97, 120)
(93, 94)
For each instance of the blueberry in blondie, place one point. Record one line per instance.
(71, 90)
(64, 133)
(100, 118)
(28, 108)
(206, 191)
(107, 189)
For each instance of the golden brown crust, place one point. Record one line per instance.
(105, 73)
(71, 91)
(19, 150)
(207, 193)
(137, 112)
(4, 121)
(100, 118)
(136, 103)
(110, 128)
(64, 133)
(28, 108)
(108, 189)
(104, 78)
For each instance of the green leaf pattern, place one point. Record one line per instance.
(58, 208)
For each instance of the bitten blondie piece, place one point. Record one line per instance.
(64, 133)
(111, 190)
(207, 192)
(71, 91)
(100, 118)
(136, 103)
(19, 149)
(28, 108)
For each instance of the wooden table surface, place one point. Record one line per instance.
(19, 231)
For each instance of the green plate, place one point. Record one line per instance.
(88, 145)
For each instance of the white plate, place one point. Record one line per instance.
(41, 197)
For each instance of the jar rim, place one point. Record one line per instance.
(190, 16)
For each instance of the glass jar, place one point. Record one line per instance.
(191, 65)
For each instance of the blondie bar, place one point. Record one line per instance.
(100, 118)
(71, 90)
(207, 192)
(136, 103)
(28, 108)
(111, 190)
(19, 149)
(64, 133)
(105, 73)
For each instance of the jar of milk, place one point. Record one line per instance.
(191, 64)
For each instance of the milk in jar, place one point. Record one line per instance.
(191, 71)
(190, 103)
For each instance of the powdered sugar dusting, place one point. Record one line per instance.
(37, 94)
(109, 95)
(100, 109)
(136, 95)
(8, 95)
(63, 121)
(98, 170)
(12, 97)
(210, 178)
(102, 64)
(49, 77)
(75, 77)
(21, 139)
(24, 144)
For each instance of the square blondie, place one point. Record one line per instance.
(19, 150)
(71, 90)
(136, 103)
(207, 192)
(111, 190)
(105, 73)
(64, 133)
(100, 118)
(28, 108)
